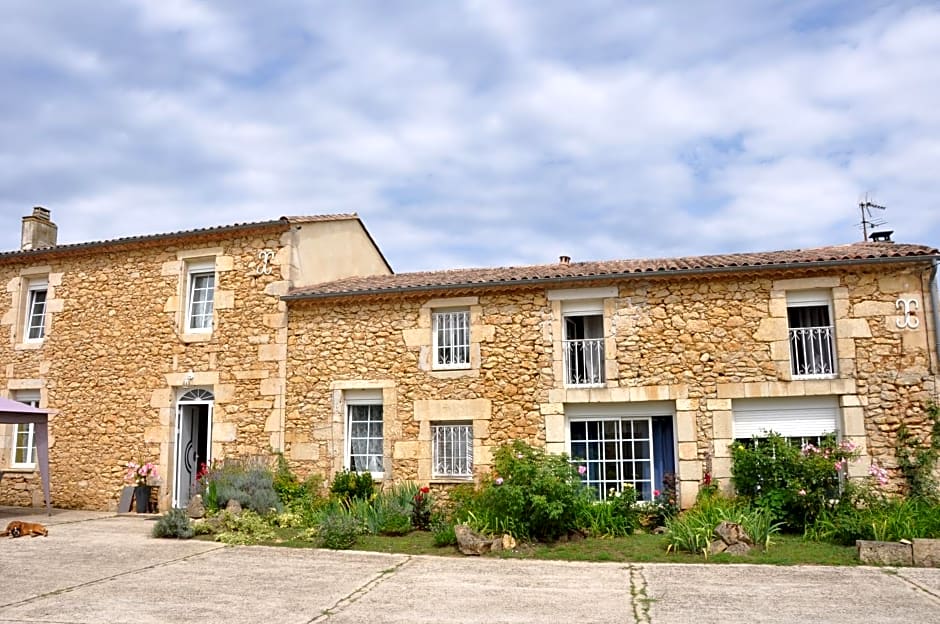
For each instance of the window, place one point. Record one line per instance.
(800, 420)
(36, 310)
(811, 334)
(364, 428)
(584, 349)
(452, 450)
(201, 297)
(451, 339)
(616, 453)
(24, 440)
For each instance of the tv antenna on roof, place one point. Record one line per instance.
(865, 208)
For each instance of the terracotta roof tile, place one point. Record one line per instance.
(855, 253)
(283, 222)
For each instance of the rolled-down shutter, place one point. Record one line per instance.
(794, 417)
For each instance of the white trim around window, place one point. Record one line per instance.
(452, 450)
(200, 296)
(37, 292)
(365, 432)
(451, 338)
(24, 435)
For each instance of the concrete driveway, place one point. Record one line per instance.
(97, 567)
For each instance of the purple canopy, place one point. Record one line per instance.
(16, 413)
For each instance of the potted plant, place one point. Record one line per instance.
(139, 474)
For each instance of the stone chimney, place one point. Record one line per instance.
(38, 230)
(564, 259)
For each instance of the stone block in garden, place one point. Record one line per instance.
(884, 553)
(926, 553)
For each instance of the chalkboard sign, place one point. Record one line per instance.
(127, 495)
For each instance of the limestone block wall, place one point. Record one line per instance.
(116, 357)
(699, 344)
(359, 345)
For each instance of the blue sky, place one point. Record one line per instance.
(476, 133)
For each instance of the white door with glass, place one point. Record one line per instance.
(193, 442)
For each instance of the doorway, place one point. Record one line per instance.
(193, 441)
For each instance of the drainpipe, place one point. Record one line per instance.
(935, 302)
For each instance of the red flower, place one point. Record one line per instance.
(425, 490)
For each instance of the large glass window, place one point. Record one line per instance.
(201, 297)
(452, 450)
(36, 310)
(451, 339)
(365, 433)
(616, 453)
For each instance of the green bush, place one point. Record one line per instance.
(442, 530)
(794, 484)
(174, 523)
(871, 517)
(917, 458)
(693, 530)
(665, 503)
(249, 483)
(352, 485)
(534, 495)
(247, 527)
(338, 529)
(618, 516)
(285, 482)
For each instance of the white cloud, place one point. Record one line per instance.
(479, 133)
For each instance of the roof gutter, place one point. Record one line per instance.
(935, 304)
(616, 276)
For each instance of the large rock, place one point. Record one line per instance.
(196, 509)
(471, 543)
(926, 553)
(234, 507)
(884, 553)
(732, 533)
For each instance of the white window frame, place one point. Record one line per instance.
(195, 271)
(451, 450)
(583, 358)
(457, 330)
(604, 484)
(355, 401)
(812, 299)
(30, 398)
(794, 418)
(33, 288)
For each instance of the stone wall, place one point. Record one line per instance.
(699, 344)
(116, 356)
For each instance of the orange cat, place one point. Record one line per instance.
(19, 529)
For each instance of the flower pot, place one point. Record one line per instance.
(142, 496)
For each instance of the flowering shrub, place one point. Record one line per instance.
(421, 509)
(138, 474)
(793, 483)
(532, 495)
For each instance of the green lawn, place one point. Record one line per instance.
(643, 548)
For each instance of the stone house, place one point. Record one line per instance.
(168, 348)
(637, 369)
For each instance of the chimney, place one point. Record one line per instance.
(38, 230)
(564, 259)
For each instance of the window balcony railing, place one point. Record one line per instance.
(812, 352)
(584, 362)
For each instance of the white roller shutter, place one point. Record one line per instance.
(791, 417)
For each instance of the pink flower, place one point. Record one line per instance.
(582, 470)
(656, 492)
(498, 481)
(802, 492)
(838, 465)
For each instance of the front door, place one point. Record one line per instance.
(193, 442)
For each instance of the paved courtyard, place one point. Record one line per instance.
(97, 567)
